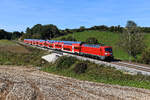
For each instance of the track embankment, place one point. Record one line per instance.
(127, 67)
(22, 83)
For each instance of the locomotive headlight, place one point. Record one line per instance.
(106, 53)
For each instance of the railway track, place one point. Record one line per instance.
(136, 66)
(130, 68)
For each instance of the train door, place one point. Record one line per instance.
(101, 52)
(62, 47)
(54, 45)
(73, 49)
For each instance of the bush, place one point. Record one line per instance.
(92, 40)
(146, 56)
(65, 62)
(80, 67)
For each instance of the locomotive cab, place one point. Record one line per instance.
(108, 52)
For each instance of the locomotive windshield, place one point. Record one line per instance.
(108, 49)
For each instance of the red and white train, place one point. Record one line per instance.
(97, 51)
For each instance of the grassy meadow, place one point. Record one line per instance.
(108, 38)
(12, 53)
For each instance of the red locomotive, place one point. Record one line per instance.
(98, 51)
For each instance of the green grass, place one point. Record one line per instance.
(6, 43)
(147, 40)
(12, 53)
(108, 38)
(102, 74)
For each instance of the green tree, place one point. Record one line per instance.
(82, 28)
(16, 35)
(39, 31)
(49, 31)
(146, 56)
(131, 40)
(36, 29)
(5, 35)
(28, 30)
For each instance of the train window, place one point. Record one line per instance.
(66, 48)
(58, 45)
(76, 47)
(108, 49)
(91, 45)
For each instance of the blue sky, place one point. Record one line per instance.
(20, 14)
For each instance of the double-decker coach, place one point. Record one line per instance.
(71, 46)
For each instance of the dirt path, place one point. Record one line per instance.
(19, 83)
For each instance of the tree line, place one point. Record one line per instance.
(10, 35)
(50, 31)
(117, 29)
